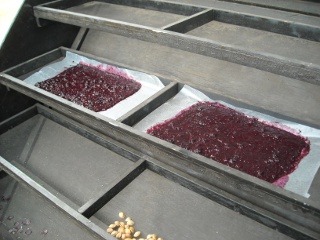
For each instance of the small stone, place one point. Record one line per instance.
(122, 215)
(26, 222)
(130, 223)
(28, 232)
(13, 230)
(112, 225)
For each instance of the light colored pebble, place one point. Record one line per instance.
(130, 223)
(152, 237)
(125, 230)
(128, 235)
(122, 215)
(121, 229)
(118, 235)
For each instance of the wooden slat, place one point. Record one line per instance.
(191, 22)
(139, 112)
(162, 6)
(99, 200)
(289, 97)
(17, 119)
(63, 207)
(260, 60)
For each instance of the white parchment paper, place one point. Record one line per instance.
(149, 84)
(299, 181)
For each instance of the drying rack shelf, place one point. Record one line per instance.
(94, 212)
(58, 11)
(183, 45)
(231, 182)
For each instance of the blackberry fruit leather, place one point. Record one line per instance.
(90, 87)
(231, 138)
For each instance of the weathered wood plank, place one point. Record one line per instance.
(76, 217)
(264, 61)
(126, 13)
(252, 192)
(191, 22)
(288, 97)
(105, 195)
(139, 112)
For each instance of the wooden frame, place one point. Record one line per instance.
(259, 60)
(233, 184)
(302, 227)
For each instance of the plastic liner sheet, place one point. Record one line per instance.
(299, 180)
(149, 84)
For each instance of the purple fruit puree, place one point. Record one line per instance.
(231, 138)
(90, 87)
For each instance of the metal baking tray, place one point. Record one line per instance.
(160, 198)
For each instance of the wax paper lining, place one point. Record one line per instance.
(149, 84)
(299, 180)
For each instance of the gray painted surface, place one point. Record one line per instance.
(128, 14)
(160, 206)
(260, 41)
(26, 204)
(71, 164)
(290, 97)
(289, 6)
